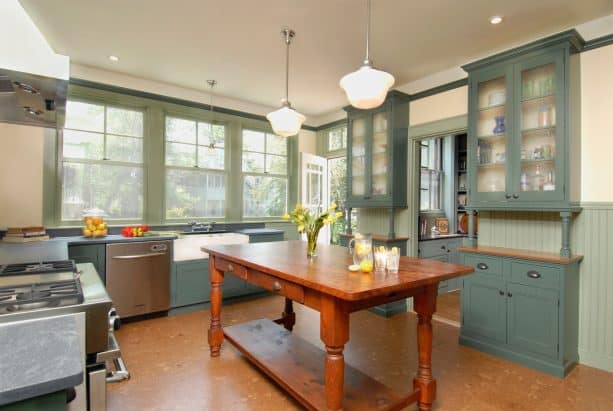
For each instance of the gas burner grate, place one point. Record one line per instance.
(34, 296)
(39, 268)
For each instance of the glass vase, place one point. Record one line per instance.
(312, 243)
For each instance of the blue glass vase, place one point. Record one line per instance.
(500, 128)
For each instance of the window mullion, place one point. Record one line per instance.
(104, 144)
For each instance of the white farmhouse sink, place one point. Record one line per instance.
(188, 247)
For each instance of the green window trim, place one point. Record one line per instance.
(153, 164)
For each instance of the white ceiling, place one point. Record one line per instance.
(238, 42)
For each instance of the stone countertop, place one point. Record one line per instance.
(441, 236)
(80, 240)
(260, 231)
(40, 356)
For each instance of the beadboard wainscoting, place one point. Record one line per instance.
(591, 232)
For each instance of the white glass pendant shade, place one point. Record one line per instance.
(285, 121)
(367, 87)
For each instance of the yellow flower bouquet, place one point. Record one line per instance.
(310, 224)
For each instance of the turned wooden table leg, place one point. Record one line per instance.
(425, 305)
(215, 330)
(334, 331)
(288, 315)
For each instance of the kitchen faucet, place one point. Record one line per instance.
(196, 226)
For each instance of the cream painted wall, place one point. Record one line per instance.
(439, 106)
(307, 142)
(596, 118)
(21, 175)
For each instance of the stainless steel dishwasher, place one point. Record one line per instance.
(138, 276)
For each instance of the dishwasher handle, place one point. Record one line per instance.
(137, 256)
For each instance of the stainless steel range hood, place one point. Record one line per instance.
(31, 99)
(33, 78)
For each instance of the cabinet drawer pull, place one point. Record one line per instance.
(533, 274)
(482, 266)
(500, 292)
(443, 247)
(276, 286)
(507, 196)
(509, 294)
(516, 196)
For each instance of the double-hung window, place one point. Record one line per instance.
(195, 169)
(102, 161)
(265, 181)
(431, 174)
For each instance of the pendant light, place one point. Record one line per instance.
(212, 84)
(367, 87)
(286, 121)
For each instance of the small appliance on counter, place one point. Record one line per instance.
(54, 286)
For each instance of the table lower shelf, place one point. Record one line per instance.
(299, 367)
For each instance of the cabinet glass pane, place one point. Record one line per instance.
(379, 154)
(358, 161)
(538, 129)
(491, 136)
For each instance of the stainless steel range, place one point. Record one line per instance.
(50, 288)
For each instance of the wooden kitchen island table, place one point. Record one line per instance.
(317, 379)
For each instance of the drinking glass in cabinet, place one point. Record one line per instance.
(538, 82)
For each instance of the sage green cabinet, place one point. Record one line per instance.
(444, 250)
(377, 142)
(522, 110)
(484, 309)
(522, 310)
(90, 253)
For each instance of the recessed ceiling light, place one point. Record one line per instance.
(113, 58)
(496, 20)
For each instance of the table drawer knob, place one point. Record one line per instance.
(482, 266)
(533, 274)
(276, 286)
(230, 268)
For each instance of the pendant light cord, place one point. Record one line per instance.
(287, 41)
(368, 33)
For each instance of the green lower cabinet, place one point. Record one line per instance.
(90, 253)
(522, 310)
(55, 401)
(444, 250)
(190, 283)
(533, 319)
(484, 308)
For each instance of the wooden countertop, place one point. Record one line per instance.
(524, 254)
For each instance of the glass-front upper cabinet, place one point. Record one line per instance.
(541, 87)
(377, 139)
(521, 120)
(492, 132)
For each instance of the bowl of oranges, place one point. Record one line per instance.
(94, 223)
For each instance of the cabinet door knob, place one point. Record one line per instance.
(230, 268)
(500, 292)
(509, 294)
(443, 247)
(533, 274)
(276, 286)
(507, 196)
(516, 196)
(482, 266)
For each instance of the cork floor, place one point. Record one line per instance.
(448, 307)
(171, 368)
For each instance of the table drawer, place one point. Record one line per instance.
(484, 264)
(535, 275)
(229, 267)
(276, 285)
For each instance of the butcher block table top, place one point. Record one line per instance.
(319, 379)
